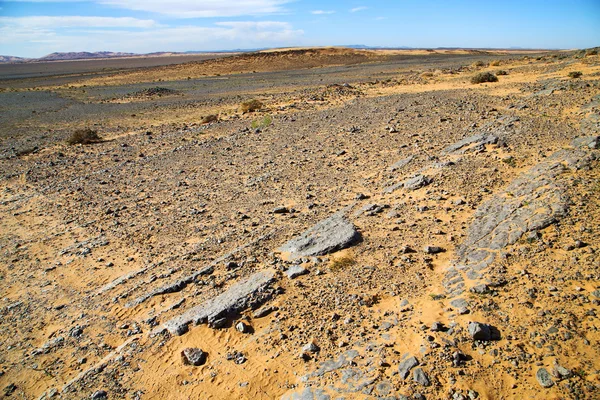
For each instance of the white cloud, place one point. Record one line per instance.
(76, 22)
(322, 12)
(201, 8)
(38, 41)
(357, 9)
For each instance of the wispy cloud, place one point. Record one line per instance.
(35, 41)
(322, 12)
(201, 8)
(357, 9)
(35, 22)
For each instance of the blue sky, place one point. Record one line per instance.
(36, 28)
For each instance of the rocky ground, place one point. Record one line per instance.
(377, 229)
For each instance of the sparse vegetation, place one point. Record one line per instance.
(501, 72)
(251, 106)
(591, 52)
(479, 64)
(575, 74)
(342, 262)
(84, 136)
(495, 63)
(484, 77)
(262, 123)
(210, 118)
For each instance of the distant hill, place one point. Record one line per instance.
(11, 59)
(83, 55)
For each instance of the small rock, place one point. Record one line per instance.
(295, 271)
(193, 356)
(242, 327)
(406, 365)
(432, 249)
(437, 327)
(544, 378)
(311, 348)
(480, 289)
(479, 331)
(281, 210)
(421, 377)
(99, 394)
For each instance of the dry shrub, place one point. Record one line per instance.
(575, 74)
(484, 77)
(479, 64)
(342, 262)
(501, 72)
(252, 105)
(84, 136)
(495, 63)
(210, 118)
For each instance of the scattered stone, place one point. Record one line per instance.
(421, 377)
(242, 327)
(479, 331)
(311, 348)
(544, 378)
(561, 372)
(432, 249)
(264, 311)
(593, 142)
(295, 271)
(437, 327)
(281, 210)
(406, 365)
(193, 356)
(249, 292)
(99, 395)
(476, 140)
(332, 234)
(401, 164)
(480, 289)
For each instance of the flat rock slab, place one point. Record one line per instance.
(476, 140)
(400, 164)
(533, 201)
(330, 235)
(236, 298)
(414, 183)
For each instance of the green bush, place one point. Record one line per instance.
(484, 77)
(84, 136)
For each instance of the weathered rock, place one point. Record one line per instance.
(174, 287)
(432, 249)
(476, 140)
(406, 365)
(236, 298)
(413, 183)
(310, 348)
(242, 327)
(479, 331)
(533, 201)
(193, 356)
(332, 234)
(544, 379)
(593, 142)
(421, 377)
(295, 271)
(99, 395)
(561, 372)
(401, 164)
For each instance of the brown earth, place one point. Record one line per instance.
(90, 235)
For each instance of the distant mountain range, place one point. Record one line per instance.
(85, 55)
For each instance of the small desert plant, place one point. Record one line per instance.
(84, 136)
(262, 123)
(252, 105)
(501, 72)
(484, 77)
(342, 262)
(479, 64)
(495, 63)
(575, 74)
(591, 52)
(210, 118)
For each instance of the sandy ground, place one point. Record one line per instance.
(164, 195)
